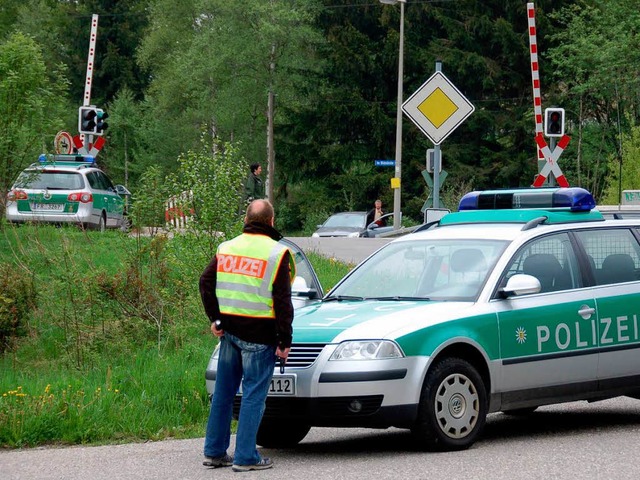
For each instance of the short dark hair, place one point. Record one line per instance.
(260, 211)
(253, 167)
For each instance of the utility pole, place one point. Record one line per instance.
(270, 113)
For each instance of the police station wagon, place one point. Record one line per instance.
(66, 189)
(522, 298)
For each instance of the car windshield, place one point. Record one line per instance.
(354, 220)
(51, 180)
(423, 269)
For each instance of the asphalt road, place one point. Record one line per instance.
(350, 250)
(573, 441)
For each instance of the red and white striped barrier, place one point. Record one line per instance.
(93, 148)
(535, 71)
(178, 211)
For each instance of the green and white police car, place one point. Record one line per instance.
(66, 189)
(522, 298)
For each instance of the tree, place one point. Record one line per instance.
(596, 63)
(215, 63)
(123, 151)
(32, 105)
(207, 188)
(624, 169)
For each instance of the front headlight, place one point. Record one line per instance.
(367, 350)
(315, 235)
(354, 235)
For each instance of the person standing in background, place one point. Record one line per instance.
(253, 185)
(375, 213)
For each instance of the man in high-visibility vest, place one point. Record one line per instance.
(246, 293)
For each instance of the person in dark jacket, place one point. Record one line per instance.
(375, 213)
(253, 186)
(246, 293)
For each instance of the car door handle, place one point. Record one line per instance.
(586, 311)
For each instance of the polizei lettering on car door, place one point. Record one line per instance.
(585, 334)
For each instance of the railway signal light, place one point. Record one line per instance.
(554, 122)
(101, 124)
(87, 120)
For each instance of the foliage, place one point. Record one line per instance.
(31, 102)
(123, 156)
(596, 64)
(329, 270)
(207, 189)
(628, 165)
(142, 397)
(149, 199)
(168, 71)
(117, 343)
(17, 298)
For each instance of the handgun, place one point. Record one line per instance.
(281, 362)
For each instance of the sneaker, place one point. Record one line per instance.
(223, 461)
(261, 465)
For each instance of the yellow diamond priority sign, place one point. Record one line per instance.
(437, 108)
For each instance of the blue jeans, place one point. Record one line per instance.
(253, 364)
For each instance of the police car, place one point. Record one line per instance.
(522, 298)
(66, 189)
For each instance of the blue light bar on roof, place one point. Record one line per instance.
(44, 158)
(576, 199)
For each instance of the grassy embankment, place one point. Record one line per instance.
(109, 338)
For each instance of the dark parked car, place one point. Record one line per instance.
(354, 224)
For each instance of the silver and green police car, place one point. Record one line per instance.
(66, 189)
(522, 298)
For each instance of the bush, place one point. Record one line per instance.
(17, 299)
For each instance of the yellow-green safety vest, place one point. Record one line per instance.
(247, 267)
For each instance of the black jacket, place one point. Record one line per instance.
(256, 330)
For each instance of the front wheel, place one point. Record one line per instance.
(453, 406)
(272, 434)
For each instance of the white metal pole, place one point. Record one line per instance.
(397, 192)
(92, 51)
(86, 101)
(437, 161)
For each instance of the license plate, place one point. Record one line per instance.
(50, 207)
(280, 385)
(283, 385)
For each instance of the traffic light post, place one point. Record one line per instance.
(91, 120)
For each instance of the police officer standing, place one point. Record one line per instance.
(246, 293)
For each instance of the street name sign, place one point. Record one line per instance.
(385, 163)
(437, 108)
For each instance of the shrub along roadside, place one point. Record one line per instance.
(116, 343)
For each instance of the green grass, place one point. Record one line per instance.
(114, 345)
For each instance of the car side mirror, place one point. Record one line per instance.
(299, 288)
(521, 284)
(122, 190)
